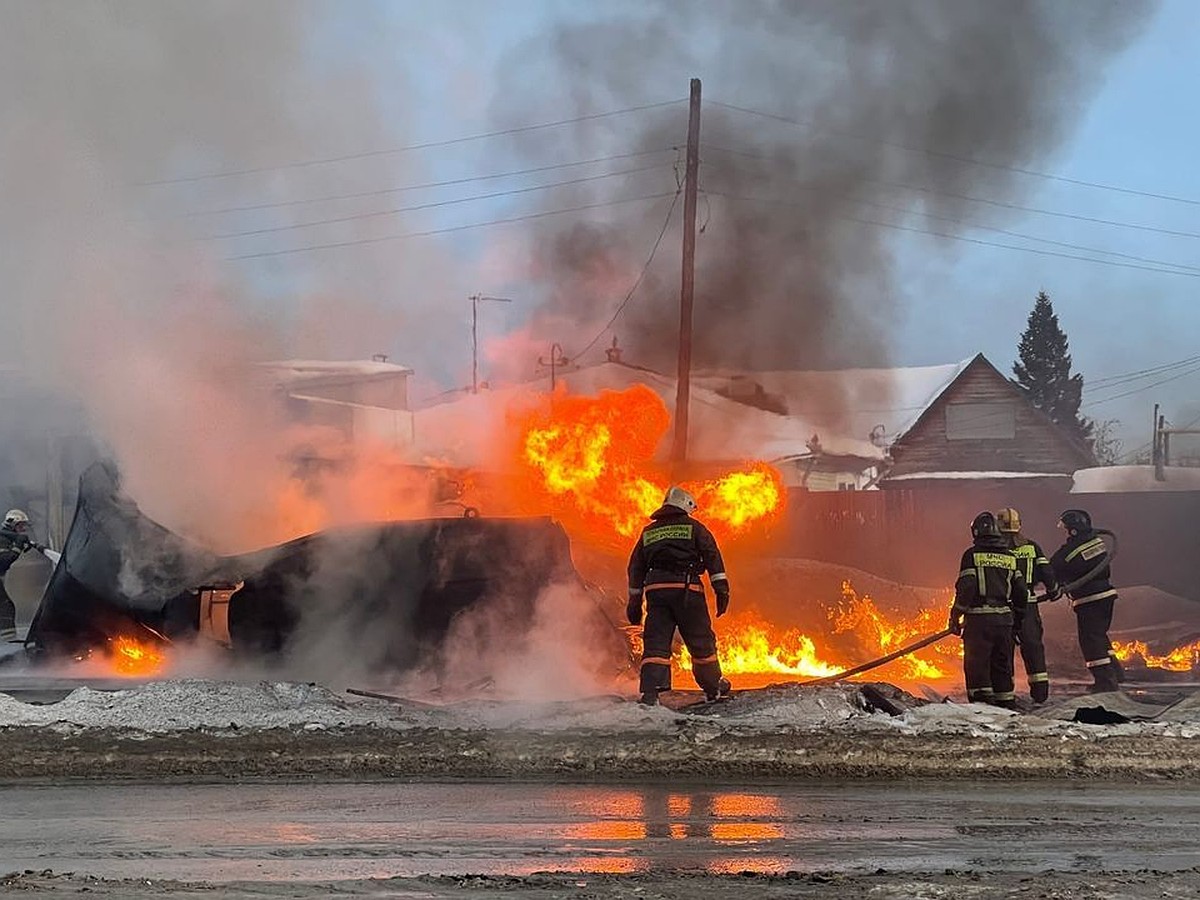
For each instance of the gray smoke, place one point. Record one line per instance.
(111, 292)
(786, 276)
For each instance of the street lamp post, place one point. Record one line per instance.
(556, 359)
(476, 299)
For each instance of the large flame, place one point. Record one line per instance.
(859, 631)
(590, 461)
(1180, 659)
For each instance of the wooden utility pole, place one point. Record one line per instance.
(688, 282)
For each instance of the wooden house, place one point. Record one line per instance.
(983, 429)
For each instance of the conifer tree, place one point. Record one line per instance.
(1044, 370)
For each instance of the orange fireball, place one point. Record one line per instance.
(590, 461)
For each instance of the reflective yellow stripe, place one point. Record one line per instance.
(666, 533)
(635, 592)
(1038, 676)
(1096, 663)
(675, 585)
(995, 561)
(1005, 695)
(655, 661)
(720, 576)
(1103, 595)
(701, 660)
(976, 610)
(966, 572)
(1082, 547)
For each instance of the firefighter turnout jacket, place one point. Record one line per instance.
(1035, 567)
(990, 581)
(1081, 554)
(672, 552)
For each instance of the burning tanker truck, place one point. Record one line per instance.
(389, 594)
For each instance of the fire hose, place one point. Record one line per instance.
(946, 632)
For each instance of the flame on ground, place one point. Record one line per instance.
(590, 460)
(136, 659)
(1180, 659)
(862, 632)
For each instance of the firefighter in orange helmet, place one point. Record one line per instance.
(666, 563)
(1035, 568)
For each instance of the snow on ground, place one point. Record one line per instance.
(175, 706)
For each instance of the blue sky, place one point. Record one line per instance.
(953, 299)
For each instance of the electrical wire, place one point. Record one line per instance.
(434, 231)
(1192, 371)
(985, 200)
(1128, 377)
(981, 242)
(638, 281)
(415, 187)
(967, 223)
(426, 145)
(964, 159)
(431, 205)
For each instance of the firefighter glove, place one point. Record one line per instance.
(1017, 635)
(955, 623)
(23, 543)
(722, 603)
(633, 610)
(1053, 594)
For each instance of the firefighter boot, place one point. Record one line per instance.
(648, 698)
(722, 691)
(1039, 692)
(1105, 680)
(1118, 669)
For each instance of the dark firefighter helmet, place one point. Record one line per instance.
(985, 526)
(1076, 520)
(1009, 520)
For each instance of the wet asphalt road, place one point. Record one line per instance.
(313, 831)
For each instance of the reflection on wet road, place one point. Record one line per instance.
(327, 831)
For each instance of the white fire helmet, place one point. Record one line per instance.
(16, 519)
(678, 497)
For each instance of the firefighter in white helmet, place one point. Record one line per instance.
(14, 540)
(666, 564)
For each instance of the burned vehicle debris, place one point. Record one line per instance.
(389, 593)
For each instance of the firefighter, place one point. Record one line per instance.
(14, 540)
(666, 563)
(1085, 554)
(990, 597)
(1035, 568)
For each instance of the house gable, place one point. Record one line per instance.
(981, 422)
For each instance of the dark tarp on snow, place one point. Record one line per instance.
(390, 591)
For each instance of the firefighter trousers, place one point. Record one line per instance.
(668, 609)
(988, 657)
(1092, 621)
(1033, 654)
(8, 615)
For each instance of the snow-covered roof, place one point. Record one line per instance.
(850, 402)
(305, 369)
(1133, 479)
(967, 476)
(464, 430)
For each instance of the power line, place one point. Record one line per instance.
(1124, 378)
(1191, 371)
(1017, 234)
(432, 205)
(415, 234)
(426, 145)
(428, 184)
(981, 242)
(638, 281)
(964, 159)
(988, 201)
